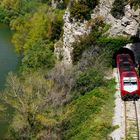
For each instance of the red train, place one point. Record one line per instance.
(128, 78)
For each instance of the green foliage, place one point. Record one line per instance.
(27, 96)
(114, 43)
(90, 3)
(81, 10)
(89, 117)
(33, 21)
(98, 37)
(44, 24)
(56, 28)
(135, 3)
(118, 8)
(38, 56)
(33, 96)
(15, 8)
(88, 80)
(90, 40)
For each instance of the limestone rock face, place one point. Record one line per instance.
(127, 25)
(72, 31)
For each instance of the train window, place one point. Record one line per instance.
(134, 83)
(129, 83)
(125, 65)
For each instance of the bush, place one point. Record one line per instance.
(114, 43)
(56, 29)
(88, 80)
(90, 3)
(82, 9)
(135, 3)
(80, 12)
(118, 8)
(38, 56)
(62, 4)
(46, 24)
(32, 118)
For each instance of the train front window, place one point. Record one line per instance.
(129, 83)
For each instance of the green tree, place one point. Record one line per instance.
(38, 56)
(28, 96)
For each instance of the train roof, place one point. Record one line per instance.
(129, 74)
(122, 55)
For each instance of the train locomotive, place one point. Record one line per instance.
(128, 78)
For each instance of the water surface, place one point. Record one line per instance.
(8, 57)
(8, 62)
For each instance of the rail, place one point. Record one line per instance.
(131, 120)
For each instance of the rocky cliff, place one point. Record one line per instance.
(127, 25)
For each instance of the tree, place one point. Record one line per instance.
(28, 97)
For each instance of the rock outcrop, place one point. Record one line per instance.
(127, 25)
(72, 31)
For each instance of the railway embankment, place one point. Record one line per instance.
(90, 116)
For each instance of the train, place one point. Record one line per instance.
(128, 78)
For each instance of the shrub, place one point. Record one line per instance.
(38, 56)
(82, 9)
(32, 118)
(114, 43)
(90, 3)
(56, 29)
(118, 8)
(88, 80)
(134, 3)
(80, 12)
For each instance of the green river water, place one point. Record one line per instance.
(8, 62)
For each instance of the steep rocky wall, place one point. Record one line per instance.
(72, 30)
(128, 25)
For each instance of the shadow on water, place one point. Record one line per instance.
(8, 62)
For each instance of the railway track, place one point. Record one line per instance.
(132, 131)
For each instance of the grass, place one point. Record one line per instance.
(90, 116)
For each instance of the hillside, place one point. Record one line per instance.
(64, 88)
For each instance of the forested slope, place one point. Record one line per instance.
(50, 99)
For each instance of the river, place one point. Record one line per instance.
(8, 62)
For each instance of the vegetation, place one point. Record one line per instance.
(81, 9)
(89, 80)
(87, 118)
(36, 28)
(98, 39)
(118, 8)
(27, 96)
(38, 56)
(51, 101)
(119, 5)
(135, 3)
